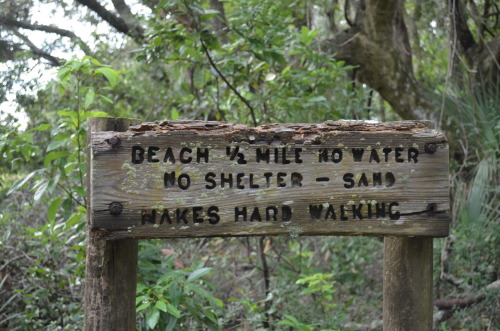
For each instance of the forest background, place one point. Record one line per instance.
(251, 62)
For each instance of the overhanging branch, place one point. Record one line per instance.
(39, 52)
(45, 28)
(115, 21)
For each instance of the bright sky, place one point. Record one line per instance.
(46, 13)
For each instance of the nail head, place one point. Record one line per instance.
(430, 148)
(115, 208)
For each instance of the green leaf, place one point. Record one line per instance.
(40, 191)
(53, 208)
(55, 144)
(73, 219)
(161, 305)
(198, 273)
(110, 74)
(42, 127)
(175, 114)
(53, 156)
(18, 184)
(143, 306)
(173, 311)
(89, 98)
(154, 316)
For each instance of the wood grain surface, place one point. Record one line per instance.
(205, 179)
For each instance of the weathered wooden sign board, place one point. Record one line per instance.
(202, 179)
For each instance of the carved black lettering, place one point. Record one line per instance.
(137, 154)
(377, 179)
(255, 215)
(152, 153)
(286, 213)
(390, 179)
(271, 213)
(252, 184)
(315, 211)
(380, 210)
(374, 156)
(183, 158)
(276, 156)
(387, 151)
(280, 179)
(200, 154)
(297, 155)
(165, 217)
(356, 211)
(413, 154)
(369, 213)
(398, 151)
(363, 180)
(283, 157)
(337, 155)
(209, 179)
(213, 216)
(241, 158)
(323, 155)
(148, 217)
(296, 179)
(330, 213)
(169, 156)
(349, 181)
(197, 218)
(262, 155)
(268, 176)
(357, 154)
(184, 181)
(180, 215)
(239, 180)
(240, 213)
(169, 179)
(343, 217)
(228, 180)
(394, 215)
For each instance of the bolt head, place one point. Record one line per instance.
(115, 208)
(430, 148)
(114, 142)
(431, 208)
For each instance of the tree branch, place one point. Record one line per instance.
(39, 52)
(214, 66)
(124, 10)
(7, 21)
(115, 21)
(378, 45)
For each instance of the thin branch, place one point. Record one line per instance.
(45, 28)
(112, 19)
(124, 10)
(39, 52)
(221, 75)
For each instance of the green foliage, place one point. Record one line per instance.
(268, 66)
(169, 299)
(49, 232)
(275, 67)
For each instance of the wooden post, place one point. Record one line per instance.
(407, 284)
(111, 266)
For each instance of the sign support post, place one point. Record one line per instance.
(187, 179)
(111, 266)
(407, 284)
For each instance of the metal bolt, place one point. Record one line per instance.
(430, 148)
(431, 208)
(115, 208)
(114, 142)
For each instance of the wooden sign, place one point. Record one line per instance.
(204, 179)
